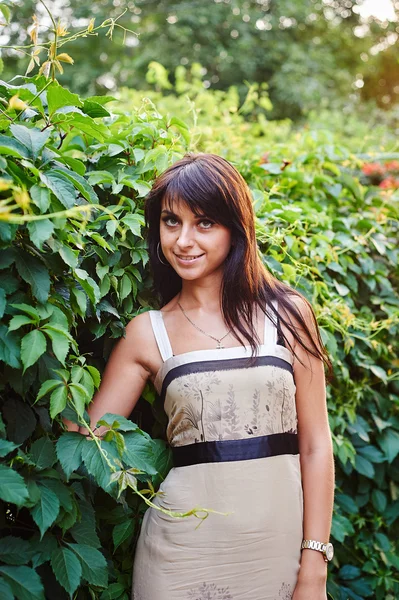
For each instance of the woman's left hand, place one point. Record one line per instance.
(310, 590)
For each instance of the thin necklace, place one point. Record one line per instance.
(219, 346)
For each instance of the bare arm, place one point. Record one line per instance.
(316, 453)
(124, 378)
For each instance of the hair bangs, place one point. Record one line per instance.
(200, 191)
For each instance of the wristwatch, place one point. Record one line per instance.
(327, 549)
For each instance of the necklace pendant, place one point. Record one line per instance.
(220, 346)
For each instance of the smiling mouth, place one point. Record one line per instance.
(188, 258)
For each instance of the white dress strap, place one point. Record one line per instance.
(160, 333)
(270, 331)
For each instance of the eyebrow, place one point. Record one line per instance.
(171, 213)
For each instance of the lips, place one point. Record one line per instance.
(188, 259)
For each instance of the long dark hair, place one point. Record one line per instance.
(209, 185)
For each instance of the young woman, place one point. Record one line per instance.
(238, 362)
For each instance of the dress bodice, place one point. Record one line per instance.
(213, 395)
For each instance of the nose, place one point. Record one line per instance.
(186, 237)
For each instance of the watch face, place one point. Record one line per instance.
(329, 551)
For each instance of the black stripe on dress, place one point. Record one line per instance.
(262, 446)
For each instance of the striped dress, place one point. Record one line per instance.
(233, 433)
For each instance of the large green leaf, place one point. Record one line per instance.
(15, 551)
(80, 183)
(21, 420)
(33, 139)
(45, 512)
(33, 271)
(42, 453)
(57, 97)
(41, 197)
(5, 590)
(33, 345)
(94, 565)
(96, 464)
(69, 451)
(122, 532)
(60, 339)
(66, 568)
(9, 348)
(85, 532)
(61, 187)
(12, 486)
(24, 582)
(58, 400)
(6, 447)
(40, 231)
(12, 147)
(389, 442)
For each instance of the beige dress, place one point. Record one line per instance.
(233, 433)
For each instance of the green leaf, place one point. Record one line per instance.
(125, 287)
(61, 187)
(21, 421)
(80, 183)
(139, 453)
(12, 147)
(9, 348)
(45, 512)
(113, 592)
(12, 486)
(40, 231)
(85, 531)
(30, 310)
(341, 527)
(33, 139)
(40, 197)
(15, 551)
(35, 274)
(24, 582)
(94, 565)
(379, 500)
(89, 285)
(389, 443)
(95, 374)
(96, 464)
(58, 96)
(5, 590)
(81, 301)
(80, 397)
(60, 341)
(66, 568)
(43, 453)
(33, 345)
(48, 386)
(118, 422)
(122, 532)
(134, 222)
(3, 302)
(86, 124)
(95, 110)
(58, 400)
(68, 256)
(364, 466)
(69, 451)
(18, 321)
(6, 447)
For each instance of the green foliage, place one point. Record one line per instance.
(74, 271)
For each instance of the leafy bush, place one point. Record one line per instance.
(74, 271)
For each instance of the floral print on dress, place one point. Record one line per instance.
(286, 592)
(209, 591)
(230, 404)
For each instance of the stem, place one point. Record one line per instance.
(194, 511)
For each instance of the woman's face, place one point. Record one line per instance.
(194, 246)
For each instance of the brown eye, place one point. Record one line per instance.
(210, 223)
(166, 219)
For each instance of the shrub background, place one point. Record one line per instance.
(74, 271)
